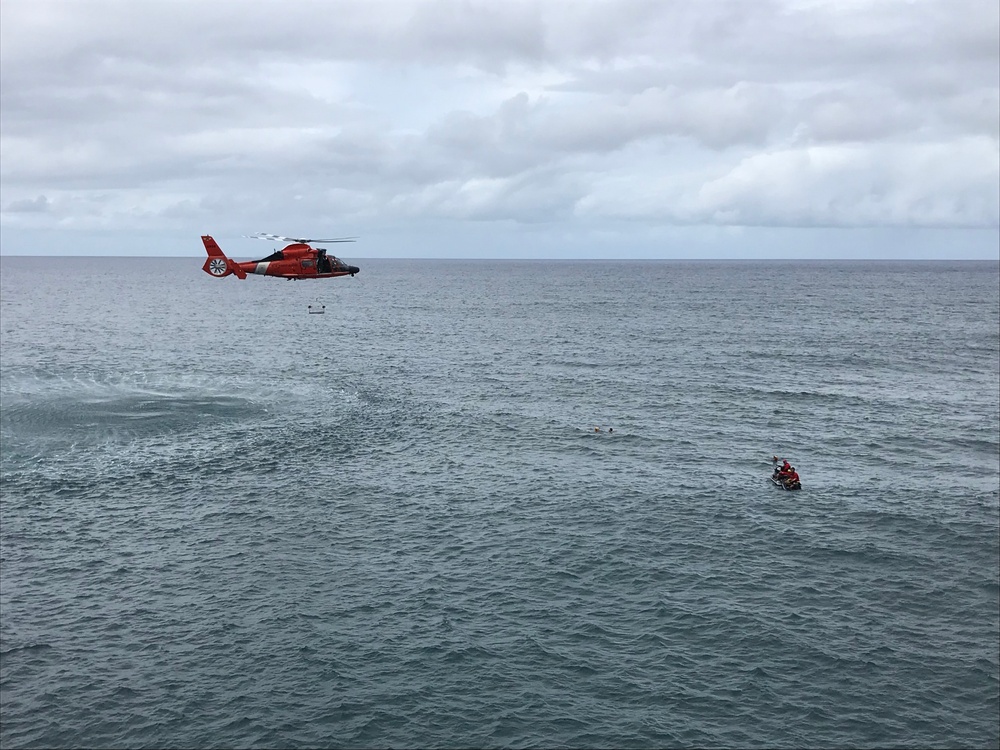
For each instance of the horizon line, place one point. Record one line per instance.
(570, 259)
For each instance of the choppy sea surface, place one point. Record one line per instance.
(225, 522)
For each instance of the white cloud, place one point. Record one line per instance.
(846, 185)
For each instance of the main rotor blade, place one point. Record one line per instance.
(278, 237)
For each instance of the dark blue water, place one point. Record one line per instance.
(226, 522)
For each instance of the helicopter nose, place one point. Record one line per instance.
(353, 269)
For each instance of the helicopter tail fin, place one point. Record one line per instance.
(218, 264)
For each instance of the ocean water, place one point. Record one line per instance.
(226, 522)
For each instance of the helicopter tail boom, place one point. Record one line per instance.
(218, 264)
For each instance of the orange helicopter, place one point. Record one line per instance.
(298, 260)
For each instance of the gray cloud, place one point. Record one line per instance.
(800, 114)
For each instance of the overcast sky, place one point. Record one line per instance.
(645, 129)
